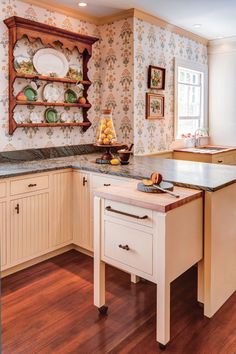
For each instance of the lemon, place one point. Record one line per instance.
(114, 162)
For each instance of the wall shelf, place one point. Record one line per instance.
(50, 104)
(50, 36)
(63, 80)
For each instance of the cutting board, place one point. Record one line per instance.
(150, 189)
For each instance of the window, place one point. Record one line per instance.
(190, 97)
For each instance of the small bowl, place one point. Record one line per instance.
(124, 156)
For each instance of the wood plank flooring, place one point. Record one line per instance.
(48, 308)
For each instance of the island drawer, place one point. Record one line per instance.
(3, 189)
(128, 213)
(128, 246)
(31, 184)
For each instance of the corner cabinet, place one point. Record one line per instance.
(55, 38)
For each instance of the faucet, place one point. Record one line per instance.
(198, 134)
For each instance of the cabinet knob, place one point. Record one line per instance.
(107, 184)
(84, 181)
(126, 247)
(17, 208)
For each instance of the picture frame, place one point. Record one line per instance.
(155, 106)
(156, 77)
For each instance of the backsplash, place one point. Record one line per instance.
(156, 46)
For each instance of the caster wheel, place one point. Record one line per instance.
(162, 346)
(103, 310)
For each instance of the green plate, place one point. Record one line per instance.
(70, 96)
(51, 115)
(30, 93)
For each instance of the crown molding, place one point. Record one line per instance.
(134, 13)
(53, 6)
(116, 17)
(224, 45)
(166, 25)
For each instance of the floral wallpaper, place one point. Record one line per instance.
(117, 75)
(154, 45)
(118, 70)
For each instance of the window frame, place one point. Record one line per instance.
(195, 67)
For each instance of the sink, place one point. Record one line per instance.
(210, 148)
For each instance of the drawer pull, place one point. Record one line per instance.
(220, 161)
(126, 247)
(17, 208)
(109, 208)
(107, 184)
(32, 185)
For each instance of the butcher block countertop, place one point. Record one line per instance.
(161, 202)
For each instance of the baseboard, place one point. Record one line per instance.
(36, 260)
(83, 250)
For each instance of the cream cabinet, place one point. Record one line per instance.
(60, 208)
(4, 235)
(224, 158)
(84, 185)
(82, 235)
(29, 227)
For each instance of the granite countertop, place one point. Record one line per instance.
(196, 175)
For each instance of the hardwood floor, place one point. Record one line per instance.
(48, 308)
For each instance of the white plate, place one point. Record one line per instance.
(35, 117)
(48, 60)
(52, 92)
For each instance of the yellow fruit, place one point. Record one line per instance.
(103, 127)
(107, 131)
(109, 123)
(114, 162)
(105, 141)
(109, 136)
(147, 182)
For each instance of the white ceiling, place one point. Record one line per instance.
(218, 17)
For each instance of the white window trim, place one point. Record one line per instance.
(192, 66)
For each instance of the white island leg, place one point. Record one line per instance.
(163, 313)
(99, 266)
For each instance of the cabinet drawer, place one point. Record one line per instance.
(103, 181)
(128, 212)
(3, 189)
(28, 185)
(137, 251)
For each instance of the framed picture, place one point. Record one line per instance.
(156, 77)
(155, 106)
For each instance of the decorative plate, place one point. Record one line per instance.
(75, 72)
(63, 117)
(34, 117)
(30, 93)
(78, 118)
(23, 64)
(70, 96)
(51, 115)
(50, 62)
(52, 92)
